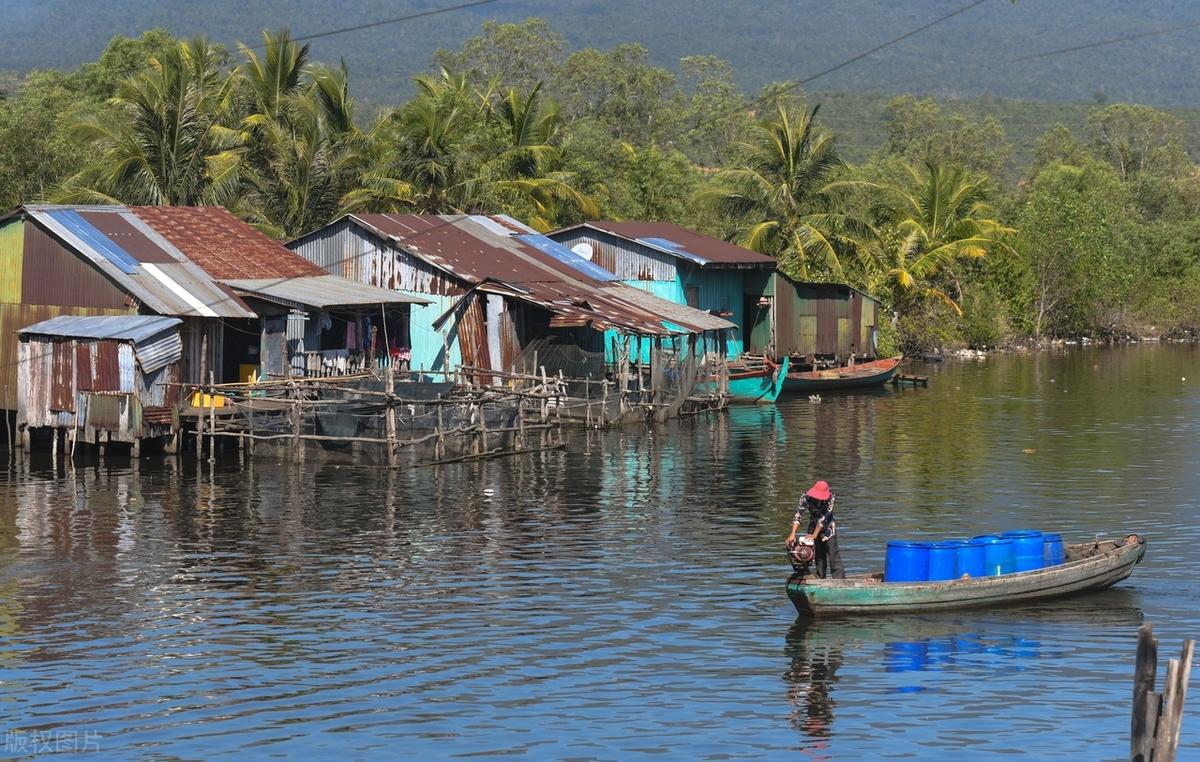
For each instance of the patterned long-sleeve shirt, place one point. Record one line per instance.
(817, 512)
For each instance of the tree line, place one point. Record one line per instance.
(1096, 236)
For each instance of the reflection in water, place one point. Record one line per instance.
(991, 643)
(621, 598)
(810, 678)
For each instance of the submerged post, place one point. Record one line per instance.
(1157, 717)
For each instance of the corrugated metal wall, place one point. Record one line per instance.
(627, 260)
(822, 319)
(345, 249)
(33, 290)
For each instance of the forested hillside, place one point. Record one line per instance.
(975, 221)
(765, 41)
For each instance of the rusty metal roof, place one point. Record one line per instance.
(134, 256)
(497, 254)
(680, 242)
(225, 246)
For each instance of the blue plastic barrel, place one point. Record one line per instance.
(1052, 545)
(997, 554)
(906, 561)
(943, 557)
(1029, 551)
(971, 560)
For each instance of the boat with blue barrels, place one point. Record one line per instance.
(754, 381)
(861, 375)
(1085, 567)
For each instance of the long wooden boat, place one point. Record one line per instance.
(1088, 566)
(874, 373)
(752, 384)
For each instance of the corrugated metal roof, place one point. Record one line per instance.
(668, 310)
(128, 327)
(502, 256)
(119, 245)
(680, 242)
(321, 291)
(225, 246)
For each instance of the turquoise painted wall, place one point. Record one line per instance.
(718, 290)
(427, 345)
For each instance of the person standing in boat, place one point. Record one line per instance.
(817, 503)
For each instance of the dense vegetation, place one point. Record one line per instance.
(1094, 233)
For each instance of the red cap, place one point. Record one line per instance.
(819, 491)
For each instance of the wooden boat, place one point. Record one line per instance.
(751, 384)
(1089, 566)
(874, 373)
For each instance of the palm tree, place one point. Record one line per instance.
(781, 198)
(526, 165)
(936, 220)
(422, 156)
(165, 137)
(302, 149)
(302, 160)
(451, 150)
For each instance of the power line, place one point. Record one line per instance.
(858, 57)
(394, 20)
(1058, 51)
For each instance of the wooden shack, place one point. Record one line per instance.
(98, 379)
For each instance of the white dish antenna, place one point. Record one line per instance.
(584, 250)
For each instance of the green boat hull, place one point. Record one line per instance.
(757, 387)
(1090, 566)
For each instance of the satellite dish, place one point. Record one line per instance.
(584, 250)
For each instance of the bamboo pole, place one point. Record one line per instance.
(212, 421)
(391, 417)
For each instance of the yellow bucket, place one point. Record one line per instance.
(207, 400)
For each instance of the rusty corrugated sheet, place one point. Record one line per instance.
(493, 253)
(173, 287)
(129, 238)
(472, 333)
(54, 275)
(97, 365)
(223, 245)
(62, 375)
(118, 414)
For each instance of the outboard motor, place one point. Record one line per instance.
(801, 554)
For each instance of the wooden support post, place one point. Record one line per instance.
(172, 444)
(440, 449)
(26, 438)
(1145, 700)
(1166, 736)
(297, 418)
(212, 419)
(1157, 718)
(391, 416)
(135, 449)
(54, 444)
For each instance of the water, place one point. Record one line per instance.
(618, 600)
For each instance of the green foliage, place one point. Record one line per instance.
(1087, 214)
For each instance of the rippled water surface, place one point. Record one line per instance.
(620, 599)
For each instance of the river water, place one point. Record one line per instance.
(618, 600)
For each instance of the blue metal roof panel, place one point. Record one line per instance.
(672, 247)
(567, 257)
(100, 243)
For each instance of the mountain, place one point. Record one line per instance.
(969, 55)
